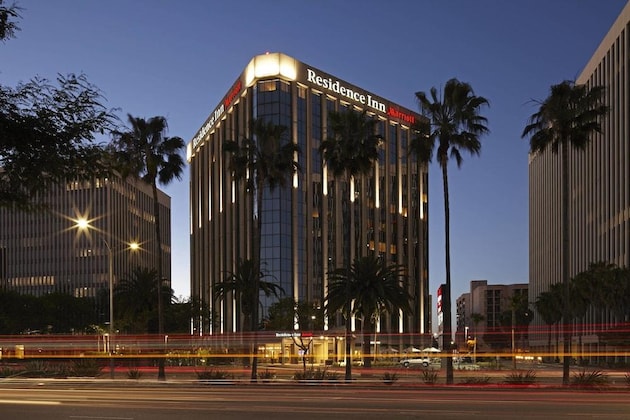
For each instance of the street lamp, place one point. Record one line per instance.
(83, 225)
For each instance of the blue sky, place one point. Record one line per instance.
(178, 59)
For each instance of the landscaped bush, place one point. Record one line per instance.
(593, 379)
(212, 374)
(134, 373)
(315, 375)
(429, 377)
(521, 378)
(627, 378)
(9, 371)
(390, 378)
(44, 369)
(266, 375)
(86, 367)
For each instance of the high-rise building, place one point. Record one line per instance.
(87, 224)
(302, 232)
(599, 188)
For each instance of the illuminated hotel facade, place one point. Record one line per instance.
(49, 252)
(302, 232)
(599, 192)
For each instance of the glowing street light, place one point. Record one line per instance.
(83, 225)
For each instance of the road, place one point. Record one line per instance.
(66, 401)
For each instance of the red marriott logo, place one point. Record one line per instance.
(394, 113)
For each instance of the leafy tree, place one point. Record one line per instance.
(8, 17)
(267, 159)
(47, 136)
(52, 313)
(47, 131)
(368, 289)
(350, 152)
(65, 313)
(284, 313)
(566, 120)
(144, 151)
(455, 126)
(245, 284)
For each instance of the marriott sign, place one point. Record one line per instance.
(336, 86)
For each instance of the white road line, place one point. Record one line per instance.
(27, 402)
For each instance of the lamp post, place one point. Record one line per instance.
(84, 225)
(110, 272)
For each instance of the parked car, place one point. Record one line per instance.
(411, 362)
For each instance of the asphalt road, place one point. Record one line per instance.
(65, 401)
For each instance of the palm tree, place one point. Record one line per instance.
(455, 126)
(135, 299)
(350, 152)
(476, 318)
(548, 305)
(246, 283)
(147, 153)
(267, 159)
(566, 119)
(366, 289)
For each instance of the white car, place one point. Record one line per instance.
(422, 361)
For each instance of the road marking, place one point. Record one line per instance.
(101, 418)
(23, 402)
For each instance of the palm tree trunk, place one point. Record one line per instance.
(549, 340)
(446, 294)
(565, 262)
(158, 240)
(256, 257)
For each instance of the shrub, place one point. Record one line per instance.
(40, 369)
(627, 378)
(85, 367)
(134, 373)
(390, 378)
(429, 377)
(594, 379)
(213, 374)
(267, 375)
(9, 371)
(315, 375)
(521, 378)
(476, 380)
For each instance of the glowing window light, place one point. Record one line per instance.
(352, 189)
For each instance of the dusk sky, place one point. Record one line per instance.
(179, 58)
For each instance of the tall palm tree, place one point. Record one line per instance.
(147, 153)
(246, 283)
(135, 299)
(566, 119)
(366, 289)
(350, 152)
(455, 126)
(266, 159)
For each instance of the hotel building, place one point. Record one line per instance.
(599, 189)
(50, 252)
(481, 316)
(302, 232)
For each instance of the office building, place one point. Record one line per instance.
(302, 235)
(599, 185)
(482, 315)
(67, 248)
